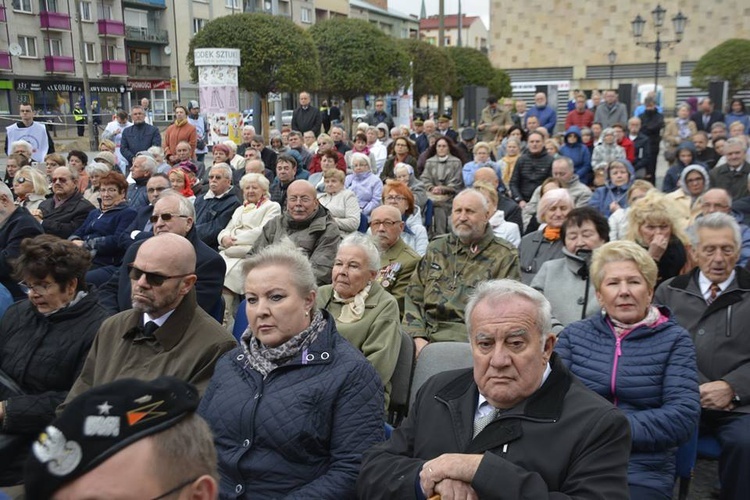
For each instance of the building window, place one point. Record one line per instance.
(198, 24)
(105, 11)
(53, 47)
(22, 6)
(48, 5)
(136, 18)
(28, 46)
(232, 4)
(305, 15)
(86, 11)
(109, 53)
(139, 56)
(89, 49)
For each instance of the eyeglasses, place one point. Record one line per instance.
(175, 489)
(301, 199)
(395, 198)
(153, 279)
(40, 289)
(156, 190)
(217, 177)
(166, 217)
(61, 180)
(387, 223)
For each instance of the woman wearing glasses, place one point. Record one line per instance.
(30, 188)
(398, 194)
(44, 340)
(101, 230)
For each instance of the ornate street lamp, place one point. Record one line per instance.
(658, 15)
(612, 56)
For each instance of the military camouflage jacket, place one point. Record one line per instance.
(446, 275)
(397, 264)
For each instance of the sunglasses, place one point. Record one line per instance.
(153, 279)
(20, 180)
(165, 217)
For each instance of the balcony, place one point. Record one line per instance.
(5, 62)
(137, 34)
(108, 27)
(55, 21)
(2, 14)
(59, 64)
(114, 68)
(154, 4)
(148, 71)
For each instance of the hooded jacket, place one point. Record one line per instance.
(675, 171)
(580, 155)
(605, 195)
(685, 203)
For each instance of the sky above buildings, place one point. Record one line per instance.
(479, 8)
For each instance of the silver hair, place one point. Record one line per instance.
(567, 161)
(362, 157)
(366, 244)
(224, 168)
(97, 168)
(149, 163)
(185, 206)
(409, 168)
(231, 145)
(285, 255)
(499, 290)
(5, 191)
(259, 179)
(481, 197)
(24, 144)
(733, 141)
(37, 179)
(716, 220)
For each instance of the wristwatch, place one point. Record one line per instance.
(736, 400)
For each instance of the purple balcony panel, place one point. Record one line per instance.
(5, 60)
(55, 20)
(59, 64)
(2, 14)
(108, 27)
(114, 67)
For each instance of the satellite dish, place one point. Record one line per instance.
(15, 49)
(168, 50)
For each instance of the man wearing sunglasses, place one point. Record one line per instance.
(16, 224)
(165, 333)
(172, 213)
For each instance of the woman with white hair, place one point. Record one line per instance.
(236, 161)
(405, 173)
(364, 184)
(95, 171)
(680, 129)
(30, 187)
(238, 238)
(366, 315)
(607, 150)
(545, 244)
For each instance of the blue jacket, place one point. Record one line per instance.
(212, 215)
(580, 155)
(743, 118)
(136, 138)
(137, 194)
(301, 431)
(651, 375)
(603, 196)
(547, 117)
(101, 233)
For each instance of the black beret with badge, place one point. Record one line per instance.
(99, 423)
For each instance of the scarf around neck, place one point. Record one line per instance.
(353, 308)
(653, 318)
(265, 359)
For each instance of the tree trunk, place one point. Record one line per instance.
(347, 115)
(264, 116)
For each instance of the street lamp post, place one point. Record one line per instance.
(612, 59)
(658, 15)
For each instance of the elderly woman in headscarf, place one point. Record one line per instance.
(405, 173)
(180, 182)
(693, 183)
(545, 244)
(366, 315)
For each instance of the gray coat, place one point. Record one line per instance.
(564, 285)
(720, 333)
(534, 251)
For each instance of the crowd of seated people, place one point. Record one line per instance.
(321, 256)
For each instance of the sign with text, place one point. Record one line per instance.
(216, 57)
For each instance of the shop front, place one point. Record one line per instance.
(58, 98)
(158, 92)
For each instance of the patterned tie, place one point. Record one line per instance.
(714, 289)
(481, 422)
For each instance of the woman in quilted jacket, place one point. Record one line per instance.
(636, 355)
(295, 406)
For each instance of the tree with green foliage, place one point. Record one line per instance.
(499, 86)
(728, 61)
(433, 71)
(276, 54)
(356, 58)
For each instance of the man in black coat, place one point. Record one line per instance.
(532, 168)
(306, 117)
(210, 268)
(16, 224)
(641, 145)
(652, 123)
(478, 432)
(66, 210)
(703, 152)
(214, 210)
(141, 227)
(138, 137)
(705, 117)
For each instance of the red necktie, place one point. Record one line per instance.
(714, 289)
